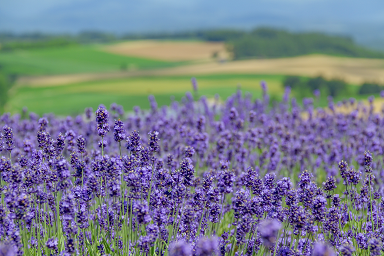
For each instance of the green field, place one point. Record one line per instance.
(70, 60)
(130, 92)
(71, 99)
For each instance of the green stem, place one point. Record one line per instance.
(150, 188)
(297, 239)
(202, 215)
(82, 172)
(102, 146)
(277, 239)
(370, 195)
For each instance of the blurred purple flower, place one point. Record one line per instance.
(180, 248)
(194, 83)
(268, 230)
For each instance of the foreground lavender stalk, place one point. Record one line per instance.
(102, 124)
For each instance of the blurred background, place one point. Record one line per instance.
(65, 55)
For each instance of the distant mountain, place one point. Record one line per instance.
(363, 20)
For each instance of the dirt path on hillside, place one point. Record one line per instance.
(352, 70)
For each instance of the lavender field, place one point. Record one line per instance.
(198, 177)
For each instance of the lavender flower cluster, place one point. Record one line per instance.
(195, 178)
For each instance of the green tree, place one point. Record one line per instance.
(337, 87)
(370, 88)
(292, 81)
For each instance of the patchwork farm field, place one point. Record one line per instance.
(170, 50)
(67, 80)
(70, 60)
(73, 98)
(129, 92)
(352, 70)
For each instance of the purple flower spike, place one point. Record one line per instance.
(7, 250)
(268, 231)
(263, 86)
(52, 243)
(367, 158)
(102, 116)
(207, 246)
(194, 83)
(180, 248)
(320, 249)
(81, 144)
(119, 134)
(8, 136)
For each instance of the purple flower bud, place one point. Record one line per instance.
(367, 159)
(180, 248)
(7, 250)
(346, 249)
(263, 86)
(189, 151)
(194, 83)
(142, 213)
(81, 144)
(102, 116)
(88, 113)
(319, 208)
(268, 230)
(233, 114)
(52, 243)
(43, 122)
(320, 249)
(375, 246)
(60, 143)
(329, 184)
(154, 141)
(8, 136)
(133, 142)
(207, 246)
(70, 246)
(119, 130)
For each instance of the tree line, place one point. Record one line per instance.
(26, 45)
(11, 41)
(333, 87)
(273, 43)
(370, 88)
(257, 43)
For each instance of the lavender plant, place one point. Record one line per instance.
(195, 178)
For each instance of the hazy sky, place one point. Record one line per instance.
(355, 17)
